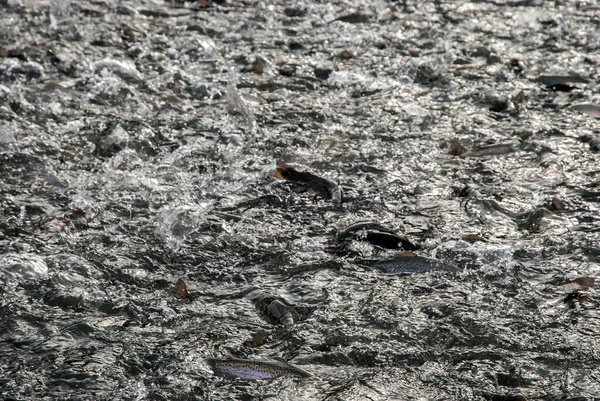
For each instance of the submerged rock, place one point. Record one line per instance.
(275, 310)
(124, 69)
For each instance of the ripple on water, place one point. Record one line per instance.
(24, 266)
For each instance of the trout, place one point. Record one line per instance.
(376, 234)
(406, 263)
(552, 80)
(327, 189)
(457, 149)
(249, 369)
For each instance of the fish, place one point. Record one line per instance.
(553, 80)
(503, 397)
(405, 263)
(353, 18)
(366, 225)
(491, 150)
(590, 109)
(390, 240)
(324, 187)
(457, 149)
(561, 82)
(378, 235)
(275, 310)
(248, 369)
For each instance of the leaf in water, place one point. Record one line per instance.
(390, 241)
(181, 289)
(259, 339)
(519, 99)
(473, 238)
(456, 148)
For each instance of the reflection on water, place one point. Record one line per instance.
(146, 247)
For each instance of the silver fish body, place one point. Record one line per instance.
(406, 265)
(249, 369)
(491, 150)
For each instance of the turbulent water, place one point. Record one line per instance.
(138, 144)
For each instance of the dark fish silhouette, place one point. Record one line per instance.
(390, 241)
(327, 189)
(406, 263)
(253, 369)
(368, 225)
(561, 83)
(353, 18)
(503, 397)
(378, 235)
(552, 80)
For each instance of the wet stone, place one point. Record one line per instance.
(116, 140)
(294, 11)
(418, 117)
(259, 339)
(323, 73)
(31, 70)
(276, 310)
